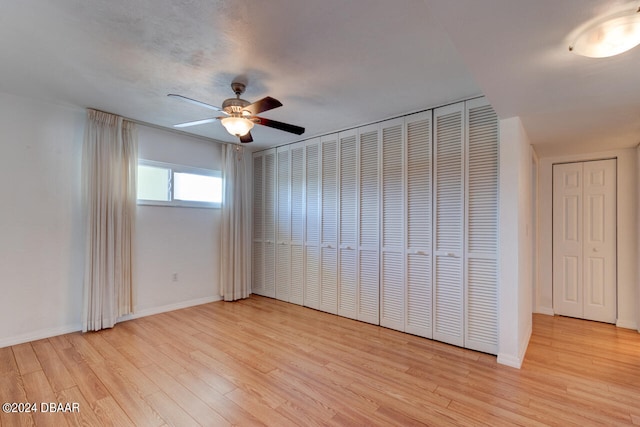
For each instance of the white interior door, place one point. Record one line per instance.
(448, 274)
(329, 224)
(368, 225)
(296, 293)
(348, 215)
(392, 275)
(312, 224)
(269, 227)
(418, 227)
(257, 254)
(283, 233)
(481, 227)
(584, 240)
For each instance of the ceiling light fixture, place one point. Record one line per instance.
(609, 36)
(238, 126)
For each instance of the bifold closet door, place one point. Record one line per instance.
(448, 280)
(347, 227)
(283, 232)
(269, 218)
(329, 224)
(418, 227)
(312, 226)
(392, 286)
(584, 240)
(297, 153)
(257, 249)
(368, 225)
(481, 298)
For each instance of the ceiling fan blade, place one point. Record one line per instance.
(246, 138)
(279, 125)
(195, 102)
(197, 122)
(262, 105)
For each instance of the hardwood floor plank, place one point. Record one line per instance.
(209, 376)
(57, 373)
(188, 401)
(119, 364)
(134, 405)
(258, 408)
(170, 410)
(110, 413)
(233, 413)
(12, 390)
(89, 384)
(82, 346)
(38, 391)
(26, 358)
(43, 349)
(85, 416)
(7, 361)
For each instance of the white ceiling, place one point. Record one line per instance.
(333, 64)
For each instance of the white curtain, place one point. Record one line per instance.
(235, 263)
(110, 161)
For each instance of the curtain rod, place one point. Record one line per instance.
(154, 126)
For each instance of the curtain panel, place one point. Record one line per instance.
(235, 261)
(109, 168)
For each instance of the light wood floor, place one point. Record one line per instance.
(264, 362)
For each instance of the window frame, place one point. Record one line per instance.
(177, 168)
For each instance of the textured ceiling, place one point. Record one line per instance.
(333, 64)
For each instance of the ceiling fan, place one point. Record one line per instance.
(240, 115)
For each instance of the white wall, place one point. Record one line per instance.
(515, 292)
(41, 231)
(41, 241)
(626, 239)
(176, 240)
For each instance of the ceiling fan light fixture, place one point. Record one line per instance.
(609, 36)
(237, 126)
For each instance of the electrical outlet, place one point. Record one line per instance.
(174, 277)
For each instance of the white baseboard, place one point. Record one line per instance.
(39, 335)
(515, 361)
(627, 324)
(52, 332)
(170, 307)
(545, 310)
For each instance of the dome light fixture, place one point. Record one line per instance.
(238, 126)
(609, 36)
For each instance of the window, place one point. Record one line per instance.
(166, 184)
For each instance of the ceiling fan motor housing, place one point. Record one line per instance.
(234, 106)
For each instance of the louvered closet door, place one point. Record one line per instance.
(312, 229)
(257, 252)
(269, 289)
(392, 286)
(481, 329)
(296, 295)
(368, 254)
(329, 224)
(448, 277)
(283, 231)
(348, 215)
(419, 220)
